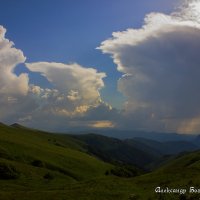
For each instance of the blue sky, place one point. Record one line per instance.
(119, 64)
(70, 30)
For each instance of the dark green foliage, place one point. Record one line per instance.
(37, 163)
(182, 197)
(48, 176)
(133, 197)
(107, 172)
(8, 171)
(5, 154)
(124, 171)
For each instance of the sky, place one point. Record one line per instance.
(122, 64)
(69, 31)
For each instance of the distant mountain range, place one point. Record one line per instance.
(127, 134)
(140, 152)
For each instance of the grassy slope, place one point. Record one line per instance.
(64, 158)
(180, 172)
(78, 176)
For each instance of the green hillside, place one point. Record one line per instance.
(181, 172)
(40, 165)
(33, 154)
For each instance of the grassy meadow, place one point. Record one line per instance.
(40, 165)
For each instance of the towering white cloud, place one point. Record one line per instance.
(161, 67)
(9, 58)
(12, 88)
(76, 82)
(74, 94)
(75, 91)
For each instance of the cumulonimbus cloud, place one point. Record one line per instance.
(74, 94)
(11, 84)
(13, 88)
(161, 66)
(76, 82)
